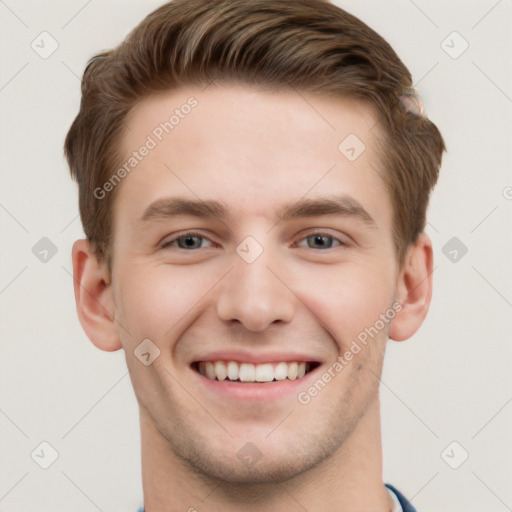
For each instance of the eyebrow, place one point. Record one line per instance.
(344, 206)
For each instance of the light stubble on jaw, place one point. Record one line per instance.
(235, 479)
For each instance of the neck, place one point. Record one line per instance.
(350, 479)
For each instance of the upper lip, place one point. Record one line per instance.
(256, 357)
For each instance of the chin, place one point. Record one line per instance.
(262, 461)
(281, 468)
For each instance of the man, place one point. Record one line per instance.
(253, 180)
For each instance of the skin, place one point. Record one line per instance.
(254, 151)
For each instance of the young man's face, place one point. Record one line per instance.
(298, 265)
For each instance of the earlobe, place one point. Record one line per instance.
(93, 297)
(413, 290)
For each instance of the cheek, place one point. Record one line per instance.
(152, 302)
(347, 300)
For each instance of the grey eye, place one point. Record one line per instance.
(320, 241)
(189, 242)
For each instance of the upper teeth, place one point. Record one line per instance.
(247, 372)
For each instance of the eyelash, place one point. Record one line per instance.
(168, 243)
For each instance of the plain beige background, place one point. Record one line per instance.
(449, 384)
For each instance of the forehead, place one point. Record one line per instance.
(252, 149)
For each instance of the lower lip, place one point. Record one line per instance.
(263, 391)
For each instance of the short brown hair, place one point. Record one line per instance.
(306, 45)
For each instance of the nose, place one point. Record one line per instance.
(255, 294)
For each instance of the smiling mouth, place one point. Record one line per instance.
(233, 371)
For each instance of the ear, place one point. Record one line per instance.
(93, 297)
(413, 289)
